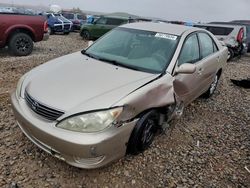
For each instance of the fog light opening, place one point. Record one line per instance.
(89, 161)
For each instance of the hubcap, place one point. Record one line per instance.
(228, 55)
(86, 35)
(147, 134)
(22, 44)
(49, 30)
(213, 85)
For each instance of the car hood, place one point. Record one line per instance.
(78, 82)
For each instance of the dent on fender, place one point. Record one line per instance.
(158, 93)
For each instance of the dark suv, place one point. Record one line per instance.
(101, 26)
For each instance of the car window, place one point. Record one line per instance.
(190, 51)
(220, 30)
(68, 15)
(101, 20)
(114, 21)
(80, 17)
(207, 45)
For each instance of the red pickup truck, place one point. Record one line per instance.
(18, 32)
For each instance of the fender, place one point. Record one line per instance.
(18, 26)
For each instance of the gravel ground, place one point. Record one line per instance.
(207, 147)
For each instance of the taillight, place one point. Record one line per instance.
(45, 27)
(240, 35)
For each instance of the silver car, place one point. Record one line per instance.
(234, 36)
(92, 107)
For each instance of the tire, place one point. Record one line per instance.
(85, 35)
(211, 88)
(50, 31)
(20, 44)
(144, 132)
(230, 54)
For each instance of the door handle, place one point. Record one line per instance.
(200, 70)
(218, 58)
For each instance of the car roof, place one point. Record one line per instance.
(173, 29)
(115, 17)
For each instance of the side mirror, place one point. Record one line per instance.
(90, 43)
(186, 68)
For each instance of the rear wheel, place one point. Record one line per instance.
(230, 54)
(143, 133)
(85, 35)
(212, 88)
(20, 44)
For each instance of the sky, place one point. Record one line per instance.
(185, 10)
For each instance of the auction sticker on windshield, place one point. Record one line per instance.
(166, 36)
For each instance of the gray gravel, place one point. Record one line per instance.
(207, 147)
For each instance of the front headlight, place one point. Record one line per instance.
(92, 122)
(19, 86)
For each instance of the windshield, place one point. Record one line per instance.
(136, 49)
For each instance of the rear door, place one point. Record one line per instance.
(99, 27)
(200, 50)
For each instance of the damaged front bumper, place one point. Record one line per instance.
(83, 150)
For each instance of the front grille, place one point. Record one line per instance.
(41, 109)
(58, 28)
(67, 26)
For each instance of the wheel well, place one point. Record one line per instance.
(21, 30)
(219, 73)
(160, 110)
(84, 30)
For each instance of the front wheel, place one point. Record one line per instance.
(143, 134)
(50, 31)
(20, 44)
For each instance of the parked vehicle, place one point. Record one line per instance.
(57, 23)
(246, 43)
(101, 26)
(247, 24)
(118, 92)
(19, 31)
(76, 18)
(234, 36)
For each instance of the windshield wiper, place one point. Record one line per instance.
(87, 54)
(116, 63)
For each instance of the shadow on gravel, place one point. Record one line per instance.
(4, 52)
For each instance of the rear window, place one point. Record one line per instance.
(220, 30)
(115, 21)
(68, 16)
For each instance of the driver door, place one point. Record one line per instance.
(187, 87)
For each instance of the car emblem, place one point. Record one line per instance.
(35, 105)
